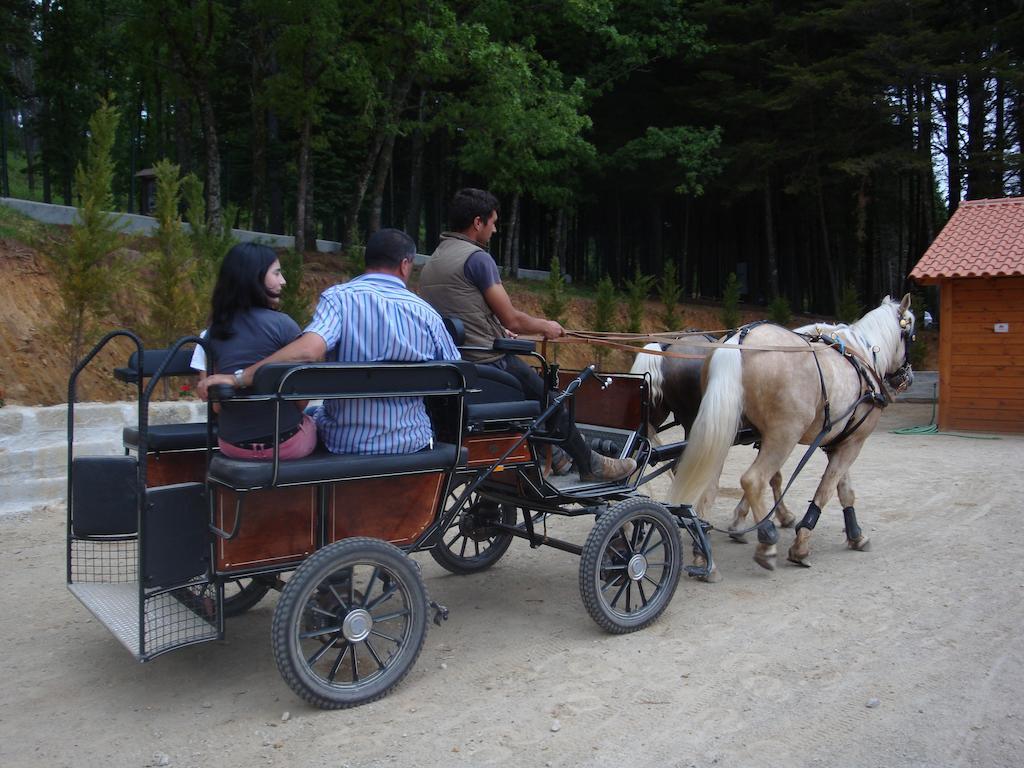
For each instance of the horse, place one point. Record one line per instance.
(794, 391)
(676, 392)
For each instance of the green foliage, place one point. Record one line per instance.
(605, 313)
(637, 291)
(86, 267)
(670, 291)
(294, 301)
(919, 347)
(173, 304)
(849, 309)
(779, 311)
(556, 301)
(730, 314)
(210, 242)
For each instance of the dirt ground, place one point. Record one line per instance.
(911, 654)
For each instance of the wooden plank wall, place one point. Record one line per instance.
(981, 372)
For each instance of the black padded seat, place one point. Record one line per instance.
(323, 466)
(501, 398)
(170, 437)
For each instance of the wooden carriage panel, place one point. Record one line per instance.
(173, 467)
(278, 526)
(395, 509)
(486, 449)
(981, 372)
(620, 405)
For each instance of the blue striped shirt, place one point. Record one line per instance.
(369, 319)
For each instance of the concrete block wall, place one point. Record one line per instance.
(33, 444)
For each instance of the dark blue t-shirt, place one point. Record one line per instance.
(257, 333)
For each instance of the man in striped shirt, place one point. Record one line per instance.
(372, 318)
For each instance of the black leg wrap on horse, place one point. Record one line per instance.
(767, 533)
(810, 518)
(853, 531)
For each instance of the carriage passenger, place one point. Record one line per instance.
(244, 327)
(372, 318)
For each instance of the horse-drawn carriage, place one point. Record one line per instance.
(167, 541)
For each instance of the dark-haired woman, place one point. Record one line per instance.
(244, 328)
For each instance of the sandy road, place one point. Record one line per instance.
(764, 668)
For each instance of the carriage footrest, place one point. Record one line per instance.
(170, 619)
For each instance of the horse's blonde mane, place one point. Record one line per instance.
(881, 328)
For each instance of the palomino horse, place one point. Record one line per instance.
(676, 392)
(793, 391)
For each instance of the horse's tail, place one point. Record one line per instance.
(714, 430)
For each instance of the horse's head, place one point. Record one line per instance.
(903, 376)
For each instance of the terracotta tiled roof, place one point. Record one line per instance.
(984, 238)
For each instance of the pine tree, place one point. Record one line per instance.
(669, 291)
(731, 302)
(636, 294)
(88, 271)
(605, 311)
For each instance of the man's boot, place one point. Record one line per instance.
(606, 469)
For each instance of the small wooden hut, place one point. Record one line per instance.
(977, 261)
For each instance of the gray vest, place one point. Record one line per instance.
(444, 286)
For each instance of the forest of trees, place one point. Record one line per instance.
(808, 147)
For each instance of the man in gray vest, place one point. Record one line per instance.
(461, 279)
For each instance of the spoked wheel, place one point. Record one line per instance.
(242, 594)
(350, 623)
(630, 565)
(470, 543)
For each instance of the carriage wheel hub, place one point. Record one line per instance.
(357, 625)
(637, 567)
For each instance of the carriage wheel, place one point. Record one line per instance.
(630, 565)
(469, 544)
(350, 623)
(242, 594)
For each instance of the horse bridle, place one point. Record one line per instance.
(900, 379)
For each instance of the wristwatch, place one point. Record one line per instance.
(239, 382)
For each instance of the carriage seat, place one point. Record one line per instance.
(321, 466)
(496, 395)
(169, 437)
(163, 437)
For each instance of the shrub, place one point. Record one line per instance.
(173, 302)
(637, 290)
(669, 291)
(849, 309)
(88, 271)
(556, 301)
(730, 314)
(209, 244)
(779, 311)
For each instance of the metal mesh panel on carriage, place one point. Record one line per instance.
(175, 605)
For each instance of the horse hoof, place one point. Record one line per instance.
(712, 578)
(863, 544)
(798, 561)
(765, 561)
(739, 538)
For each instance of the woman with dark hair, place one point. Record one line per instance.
(244, 328)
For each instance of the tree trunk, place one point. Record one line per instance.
(924, 152)
(300, 192)
(380, 180)
(769, 241)
(514, 226)
(951, 110)
(310, 222)
(412, 213)
(999, 141)
(183, 135)
(977, 171)
(209, 123)
(275, 186)
(826, 250)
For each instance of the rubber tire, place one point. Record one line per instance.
(246, 598)
(592, 558)
(495, 550)
(288, 617)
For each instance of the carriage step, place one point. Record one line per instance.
(171, 619)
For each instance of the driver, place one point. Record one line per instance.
(373, 318)
(461, 279)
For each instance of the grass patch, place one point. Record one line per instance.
(18, 226)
